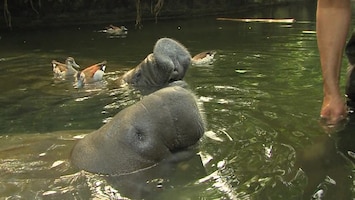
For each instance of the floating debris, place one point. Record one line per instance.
(258, 20)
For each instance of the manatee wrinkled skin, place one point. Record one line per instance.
(168, 63)
(161, 124)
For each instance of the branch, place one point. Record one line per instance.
(157, 9)
(33, 8)
(7, 14)
(138, 18)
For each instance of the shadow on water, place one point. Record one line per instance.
(261, 97)
(325, 163)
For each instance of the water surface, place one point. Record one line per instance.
(261, 98)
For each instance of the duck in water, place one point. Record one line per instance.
(65, 69)
(204, 58)
(90, 74)
(116, 31)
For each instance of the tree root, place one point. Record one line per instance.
(157, 8)
(7, 15)
(139, 15)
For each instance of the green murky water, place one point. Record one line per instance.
(261, 97)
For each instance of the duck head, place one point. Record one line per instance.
(70, 62)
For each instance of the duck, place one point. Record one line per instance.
(65, 69)
(116, 31)
(204, 58)
(90, 74)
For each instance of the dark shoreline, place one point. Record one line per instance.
(33, 19)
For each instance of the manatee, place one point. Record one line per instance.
(168, 63)
(164, 123)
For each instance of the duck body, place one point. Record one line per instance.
(65, 69)
(204, 58)
(90, 74)
(116, 31)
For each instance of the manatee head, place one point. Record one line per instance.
(168, 62)
(138, 137)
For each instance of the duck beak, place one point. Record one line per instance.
(75, 65)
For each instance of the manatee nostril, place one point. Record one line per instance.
(140, 135)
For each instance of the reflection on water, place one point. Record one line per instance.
(261, 97)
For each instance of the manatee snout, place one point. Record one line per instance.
(168, 63)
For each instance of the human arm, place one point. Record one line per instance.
(333, 21)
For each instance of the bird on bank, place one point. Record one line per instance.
(65, 69)
(90, 74)
(204, 58)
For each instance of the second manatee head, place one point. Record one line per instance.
(168, 63)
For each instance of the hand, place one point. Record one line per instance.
(333, 109)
